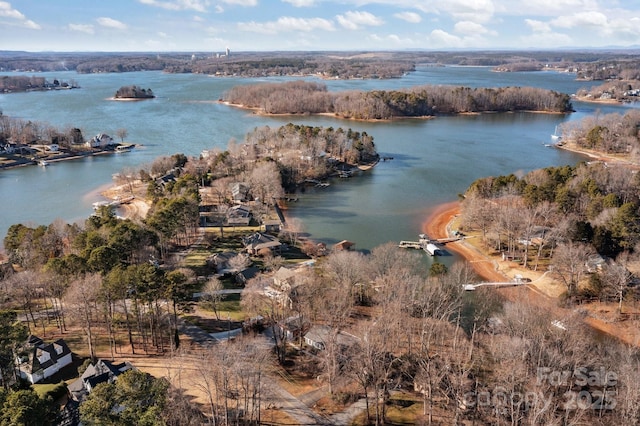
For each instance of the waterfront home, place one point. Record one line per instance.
(42, 360)
(100, 141)
(257, 242)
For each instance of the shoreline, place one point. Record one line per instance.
(438, 225)
(259, 111)
(60, 158)
(597, 155)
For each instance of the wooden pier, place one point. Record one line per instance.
(410, 244)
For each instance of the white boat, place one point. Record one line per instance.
(43, 163)
(556, 136)
(124, 148)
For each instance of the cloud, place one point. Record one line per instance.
(468, 10)
(287, 23)
(7, 11)
(111, 23)
(581, 19)
(471, 28)
(394, 39)
(441, 38)
(300, 3)
(411, 17)
(197, 5)
(544, 7)
(245, 3)
(355, 20)
(83, 28)
(537, 26)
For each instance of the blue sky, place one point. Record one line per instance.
(267, 25)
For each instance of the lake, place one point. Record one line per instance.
(433, 160)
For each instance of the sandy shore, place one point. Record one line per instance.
(542, 292)
(135, 209)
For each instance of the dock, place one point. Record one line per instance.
(410, 244)
(427, 244)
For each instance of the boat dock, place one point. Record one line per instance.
(427, 244)
(410, 244)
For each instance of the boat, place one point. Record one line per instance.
(43, 163)
(556, 136)
(124, 148)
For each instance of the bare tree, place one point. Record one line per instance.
(616, 278)
(25, 289)
(80, 302)
(570, 264)
(122, 133)
(212, 294)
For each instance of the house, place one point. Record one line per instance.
(239, 215)
(224, 262)
(101, 140)
(293, 328)
(240, 192)
(166, 179)
(101, 372)
(259, 241)
(43, 360)
(245, 275)
(283, 279)
(318, 337)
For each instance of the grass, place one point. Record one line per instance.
(55, 390)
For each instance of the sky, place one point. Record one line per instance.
(315, 25)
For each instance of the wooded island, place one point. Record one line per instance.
(301, 97)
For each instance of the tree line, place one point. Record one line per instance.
(28, 132)
(313, 98)
(613, 133)
(21, 83)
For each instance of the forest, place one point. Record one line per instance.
(615, 134)
(301, 97)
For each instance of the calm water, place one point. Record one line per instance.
(433, 160)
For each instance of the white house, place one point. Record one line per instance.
(100, 141)
(43, 360)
